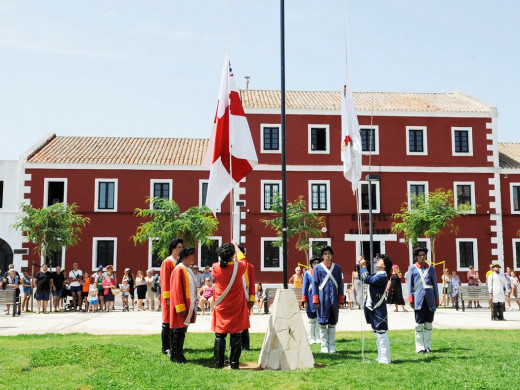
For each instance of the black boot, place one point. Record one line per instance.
(236, 350)
(165, 337)
(173, 345)
(179, 351)
(245, 340)
(219, 349)
(495, 310)
(501, 309)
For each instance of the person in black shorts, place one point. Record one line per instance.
(58, 278)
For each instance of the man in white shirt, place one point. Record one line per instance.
(497, 287)
(75, 278)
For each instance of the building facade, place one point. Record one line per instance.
(416, 143)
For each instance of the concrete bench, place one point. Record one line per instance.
(8, 297)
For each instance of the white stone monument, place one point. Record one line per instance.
(285, 344)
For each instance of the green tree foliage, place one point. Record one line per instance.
(166, 221)
(51, 228)
(428, 217)
(301, 223)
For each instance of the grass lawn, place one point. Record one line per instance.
(462, 359)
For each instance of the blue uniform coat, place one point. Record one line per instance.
(417, 290)
(330, 296)
(377, 317)
(307, 293)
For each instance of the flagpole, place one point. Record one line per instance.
(284, 176)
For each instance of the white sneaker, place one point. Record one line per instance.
(324, 350)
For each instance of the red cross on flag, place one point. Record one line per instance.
(231, 153)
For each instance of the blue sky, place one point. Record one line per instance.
(152, 68)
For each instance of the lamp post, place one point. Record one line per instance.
(284, 175)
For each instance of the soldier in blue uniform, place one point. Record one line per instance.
(423, 294)
(310, 310)
(375, 304)
(327, 295)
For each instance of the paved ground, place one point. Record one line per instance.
(147, 322)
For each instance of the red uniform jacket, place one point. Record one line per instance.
(180, 298)
(167, 267)
(231, 314)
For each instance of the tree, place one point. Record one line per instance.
(301, 223)
(428, 217)
(168, 222)
(51, 228)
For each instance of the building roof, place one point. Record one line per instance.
(366, 101)
(509, 154)
(119, 150)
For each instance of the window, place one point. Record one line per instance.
(421, 243)
(318, 139)
(516, 254)
(369, 139)
(269, 188)
(416, 139)
(467, 253)
(161, 189)
(415, 189)
(203, 192)
(515, 197)
(462, 142)
(106, 195)
(55, 191)
(55, 258)
(270, 138)
(271, 255)
(465, 194)
(208, 254)
(1, 194)
(363, 199)
(319, 195)
(316, 244)
(104, 252)
(154, 261)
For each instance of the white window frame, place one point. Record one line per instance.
(311, 240)
(472, 186)
(327, 183)
(42, 260)
(410, 250)
(46, 182)
(409, 184)
(470, 141)
(475, 252)
(96, 197)
(94, 251)
(262, 127)
(161, 181)
(425, 141)
(262, 193)
(150, 253)
(376, 140)
(270, 269)
(511, 185)
(327, 138)
(199, 256)
(377, 183)
(515, 240)
(201, 182)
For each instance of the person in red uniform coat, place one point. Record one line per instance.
(167, 267)
(183, 303)
(249, 292)
(230, 314)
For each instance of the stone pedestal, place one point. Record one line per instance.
(285, 344)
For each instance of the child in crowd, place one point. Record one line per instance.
(85, 290)
(349, 296)
(93, 296)
(125, 293)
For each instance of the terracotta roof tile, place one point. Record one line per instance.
(121, 150)
(509, 154)
(365, 101)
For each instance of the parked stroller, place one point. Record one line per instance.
(68, 303)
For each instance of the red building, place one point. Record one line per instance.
(415, 142)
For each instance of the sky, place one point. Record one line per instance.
(152, 68)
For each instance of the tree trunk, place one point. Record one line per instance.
(432, 244)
